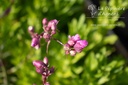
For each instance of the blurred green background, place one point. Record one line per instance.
(99, 64)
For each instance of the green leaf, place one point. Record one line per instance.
(111, 39)
(73, 26)
(103, 79)
(78, 70)
(81, 21)
(77, 57)
(91, 62)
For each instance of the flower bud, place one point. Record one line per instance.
(46, 36)
(40, 70)
(71, 42)
(49, 24)
(53, 27)
(47, 28)
(52, 69)
(53, 32)
(66, 47)
(38, 64)
(35, 42)
(72, 52)
(31, 29)
(69, 36)
(44, 21)
(52, 22)
(45, 60)
(75, 38)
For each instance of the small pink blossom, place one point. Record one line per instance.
(38, 63)
(74, 45)
(80, 45)
(45, 21)
(74, 38)
(49, 28)
(30, 29)
(35, 43)
(45, 60)
(43, 68)
(72, 52)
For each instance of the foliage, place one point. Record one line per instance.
(95, 66)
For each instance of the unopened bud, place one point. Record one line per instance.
(53, 27)
(35, 42)
(38, 63)
(47, 29)
(31, 29)
(40, 70)
(45, 60)
(75, 37)
(72, 52)
(44, 21)
(52, 69)
(53, 32)
(66, 47)
(55, 21)
(46, 36)
(52, 22)
(71, 42)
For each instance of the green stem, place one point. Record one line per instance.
(58, 41)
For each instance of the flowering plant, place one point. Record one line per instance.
(74, 45)
(100, 63)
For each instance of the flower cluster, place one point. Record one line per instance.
(74, 45)
(49, 30)
(35, 38)
(42, 68)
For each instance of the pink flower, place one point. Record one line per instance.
(40, 71)
(72, 52)
(42, 67)
(80, 45)
(71, 42)
(31, 29)
(52, 22)
(38, 63)
(44, 21)
(35, 43)
(74, 45)
(49, 28)
(74, 38)
(45, 60)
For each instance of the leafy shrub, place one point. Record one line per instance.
(94, 66)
